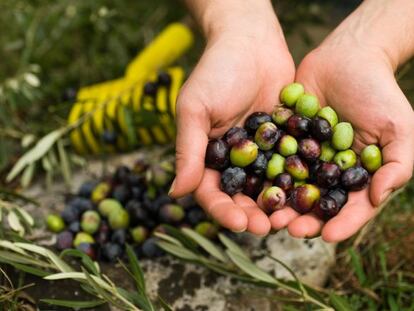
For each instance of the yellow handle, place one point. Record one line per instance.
(167, 47)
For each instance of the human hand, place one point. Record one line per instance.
(357, 80)
(242, 70)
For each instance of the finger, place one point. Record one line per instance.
(258, 222)
(398, 169)
(192, 139)
(281, 218)
(305, 226)
(218, 204)
(352, 217)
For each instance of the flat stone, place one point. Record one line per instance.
(190, 287)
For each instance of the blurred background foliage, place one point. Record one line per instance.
(50, 48)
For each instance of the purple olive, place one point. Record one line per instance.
(355, 178)
(284, 181)
(321, 129)
(217, 154)
(298, 126)
(310, 149)
(253, 186)
(326, 208)
(328, 175)
(235, 135)
(303, 197)
(256, 119)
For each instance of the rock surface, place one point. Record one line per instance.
(188, 287)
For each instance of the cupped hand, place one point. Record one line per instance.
(358, 81)
(237, 74)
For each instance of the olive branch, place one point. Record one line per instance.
(230, 260)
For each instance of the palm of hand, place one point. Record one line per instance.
(362, 89)
(232, 80)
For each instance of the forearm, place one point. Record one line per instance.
(384, 24)
(217, 17)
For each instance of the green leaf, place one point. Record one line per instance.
(34, 154)
(137, 299)
(136, 269)
(79, 276)
(206, 244)
(130, 126)
(73, 303)
(31, 270)
(86, 260)
(12, 246)
(392, 303)
(22, 259)
(250, 268)
(300, 285)
(168, 238)
(14, 222)
(184, 239)
(177, 251)
(64, 163)
(102, 291)
(27, 175)
(339, 303)
(164, 304)
(26, 217)
(357, 265)
(232, 246)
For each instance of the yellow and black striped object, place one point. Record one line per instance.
(137, 109)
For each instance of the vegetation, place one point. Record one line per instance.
(52, 48)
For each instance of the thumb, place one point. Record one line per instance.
(397, 170)
(192, 128)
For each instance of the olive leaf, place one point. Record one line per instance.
(206, 244)
(248, 267)
(14, 222)
(74, 304)
(36, 153)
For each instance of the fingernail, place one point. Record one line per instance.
(384, 196)
(171, 188)
(239, 231)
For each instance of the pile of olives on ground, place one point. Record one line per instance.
(299, 156)
(126, 208)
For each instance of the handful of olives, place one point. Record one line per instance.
(299, 155)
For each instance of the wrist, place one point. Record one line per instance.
(253, 19)
(381, 26)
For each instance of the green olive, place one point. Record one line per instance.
(275, 166)
(329, 115)
(290, 93)
(307, 105)
(371, 158)
(343, 136)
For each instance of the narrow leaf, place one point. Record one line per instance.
(357, 265)
(64, 163)
(27, 175)
(14, 222)
(339, 303)
(177, 251)
(164, 304)
(11, 246)
(78, 276)
(206, 244)
(73, 303)
(136, 269)
(25, 215)
(168, 238)
(92, 281)
(232, 246)
(250, 268)
(86, 260)
(34, 154)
